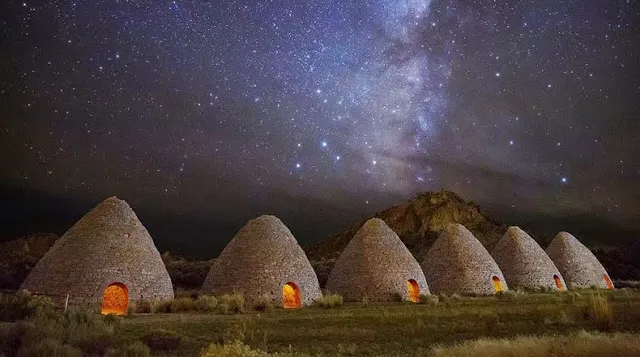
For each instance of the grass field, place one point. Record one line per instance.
(405, 329)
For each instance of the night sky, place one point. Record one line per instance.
(204, 114)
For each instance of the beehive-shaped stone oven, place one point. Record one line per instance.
(107, 259)
(377, 265)
(458, 263)
(579, 267)
(524, 263)
(264, 259)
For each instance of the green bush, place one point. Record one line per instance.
(162, 307)
(263, 303)
(329, 301)
(54, 333)
(206, 303)
(431, 300)
(22, 305)
(234, 302)
(135, 349)
(184, 304)
(162, 340)
(112, 320)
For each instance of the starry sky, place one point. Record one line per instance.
(204, 114)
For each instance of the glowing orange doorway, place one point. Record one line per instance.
(558, 282)
(607, 281)
(115, 300)
(290, 296)
(497, 284)
(414, 290)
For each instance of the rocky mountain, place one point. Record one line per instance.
(419, 221)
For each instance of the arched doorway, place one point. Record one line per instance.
(290, 296)
(608, 281)
(414, 290)
(558, 282)
(497, 284)
(115, 299)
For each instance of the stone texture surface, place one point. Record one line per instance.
(579, 267)
(260, 260)
(458, 263)
(107, 245)
(375, 264)
(524, 263)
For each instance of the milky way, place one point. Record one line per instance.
(330, 109)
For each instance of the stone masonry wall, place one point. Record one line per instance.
(108, 244)
(458, 263)
(376, 265)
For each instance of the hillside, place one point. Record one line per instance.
(20, 255)
(419, 221)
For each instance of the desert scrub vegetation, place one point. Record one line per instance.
(430, 300)
(329, 301)
(599, 310)
(50, 332)
(581, 344)
(22, 305)
(263, 303)
(390, 329)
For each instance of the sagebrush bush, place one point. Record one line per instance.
(431, 300)
(263, 303)
(22, 305)
(206, 303)
(329, 301)
(162, 340)
(234, 303)
(134, 349)
(183, 304)
(56, 333)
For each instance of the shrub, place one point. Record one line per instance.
(163, 307)
(506, 295)
(329, 301)
(206, 303)
(22, 305)
(431, 300)
(112, 320)
(75, 333)
(142, 307)
(183, 304)
(162, 340)
(136, 349)
(456, 297)
(599, 311)
(263, 303)
(235, 302)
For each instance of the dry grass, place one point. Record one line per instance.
(599, 310)
(329, 301)
(582, 344)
